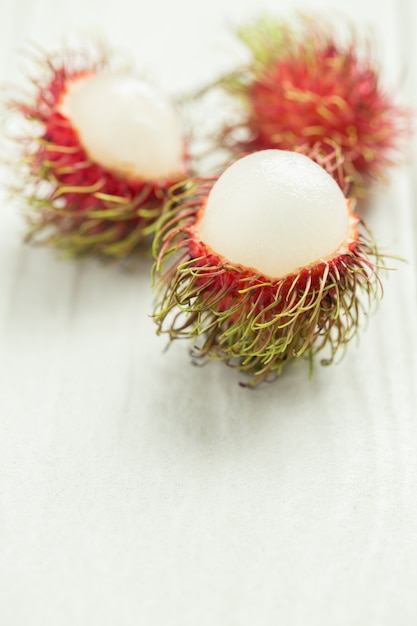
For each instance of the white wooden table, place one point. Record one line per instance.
(138, 490)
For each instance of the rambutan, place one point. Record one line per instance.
(304, 88)
(264, 265)
(100, 149)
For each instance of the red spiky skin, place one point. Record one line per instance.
(305, 90)
(87, 207)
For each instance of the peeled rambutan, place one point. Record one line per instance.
(100, 149)
(304, 88)
(264, 265)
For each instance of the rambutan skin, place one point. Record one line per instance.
(303, 88)
(254, 323)
(72, 202)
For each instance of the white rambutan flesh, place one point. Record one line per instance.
(126, 125)
(275, 211)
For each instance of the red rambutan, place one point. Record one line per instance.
(303, 88)
(100, 149)
(264, 265)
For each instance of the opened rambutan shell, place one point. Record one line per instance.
(254, 322)
(305, 88)
(73, 201)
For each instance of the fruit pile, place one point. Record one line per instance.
(263, 262)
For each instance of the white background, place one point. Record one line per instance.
(136, 489)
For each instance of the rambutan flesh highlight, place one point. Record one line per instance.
(304, 88)
(100, 147)
(263, 265)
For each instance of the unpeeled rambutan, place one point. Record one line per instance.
(263, 265)
(100, 149)
(304, 88)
